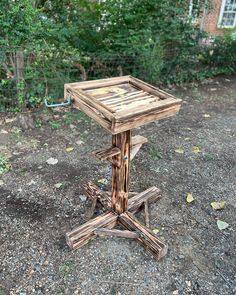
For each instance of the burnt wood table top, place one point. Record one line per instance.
(122, 103)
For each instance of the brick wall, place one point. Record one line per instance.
(209, 22)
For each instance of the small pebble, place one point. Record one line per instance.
(83, 198)
(79, 142)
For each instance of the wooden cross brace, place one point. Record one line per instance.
(120, 208)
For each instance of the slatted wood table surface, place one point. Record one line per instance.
(120, 104)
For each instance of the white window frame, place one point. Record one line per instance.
(191, 9)
(222, 10)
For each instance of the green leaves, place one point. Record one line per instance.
(5, 165)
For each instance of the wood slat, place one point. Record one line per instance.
(138, 139)
(142, 119)
(93, 191)
(82, 234)
(100, 82)
(138, 103)
(116, 233)
(146, 237)
(160, 104)
(108, 153)
(92, 113)
(151, 195)
(80, 94)
(135, 203)
(150, 89)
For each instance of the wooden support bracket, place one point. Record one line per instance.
(82, 234)
(134, 204)
(146, 237)
(92, 191)
(116, 233)
(109, 155)
(136, 143)
(151, 195)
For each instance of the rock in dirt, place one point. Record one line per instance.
(45, 117)
(79, 142)
(9, 120)
(52, 161)
(25, 121)
(82, 198)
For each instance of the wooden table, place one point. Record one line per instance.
(119, 105)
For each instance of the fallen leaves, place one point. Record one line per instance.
(222, 224)
(5, 166)
(1, 182)
(58, 185)
(218, 205)
(69, 149)
(103, 181)
(155, 231)
(52, 161)
(196, 149)
(189, 198)
(179, 151)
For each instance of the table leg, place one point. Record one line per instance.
(120, 175)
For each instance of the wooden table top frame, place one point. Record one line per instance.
(120, 104)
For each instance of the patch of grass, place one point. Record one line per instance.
(155, 154)
(38, 123)
(67, 268)
(73, 117)
(5, 166)
(3, 291)
(54, 124)
(208, 157)
(196, 94)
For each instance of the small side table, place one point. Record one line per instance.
(119, 105)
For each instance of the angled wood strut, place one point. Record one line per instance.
(119, 105)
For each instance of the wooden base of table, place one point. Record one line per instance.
(105, 223)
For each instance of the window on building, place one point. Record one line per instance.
(193, 10)
(227, 17)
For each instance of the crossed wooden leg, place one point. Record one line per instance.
(105, 223)
(119, 208)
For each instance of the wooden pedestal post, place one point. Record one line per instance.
(119, 207)
(120, 173)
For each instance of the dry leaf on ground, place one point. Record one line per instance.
(69, 149)
(206, 115)
(179, 151)
(155, 231)
(196, 149)
(189, 198)
(103, 180)
(218, 205)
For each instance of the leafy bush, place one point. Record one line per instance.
(46, 44)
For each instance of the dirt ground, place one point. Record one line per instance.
(193, 152)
